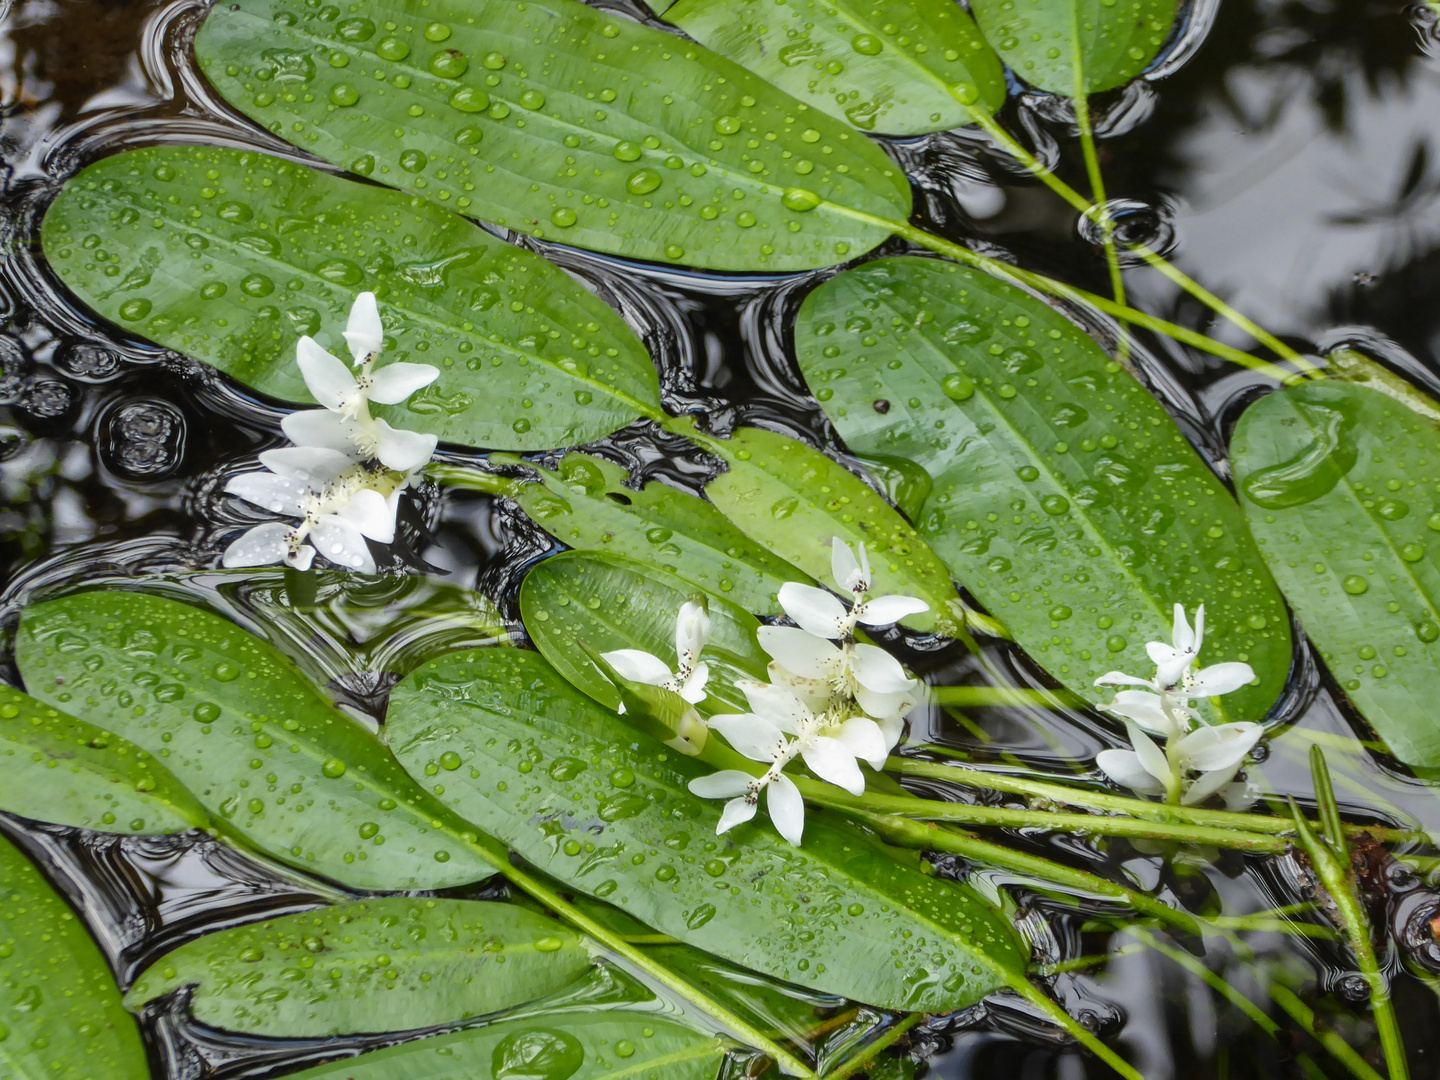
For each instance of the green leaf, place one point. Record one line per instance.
(63, 1019)
(603, 1045)
(261, 749)
(1065, 45)
(795, 500)
(56, 768)
(587, 506)
(229, 256)
(562, 121)
(611, 602)
(1339, 487)
(1063, 497)
(599, 806)
(902, 67)
(389, 964)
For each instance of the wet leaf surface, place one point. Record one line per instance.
(528, 358)
(388, 964)
(1063, 496)
(595, 804)
(562, 121)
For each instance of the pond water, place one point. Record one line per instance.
(1282, 151)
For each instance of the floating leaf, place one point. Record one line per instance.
(1064, 497)
(586, 505)
(903, 67)
(610, 602)
(261, 749)
(389, 964)
(605, 809)
(229, 256)
(62, 1018)
(1059, 45)
(604, 1045)
(795, 500)
(563, 121)
(1339, 487)
(56, 768)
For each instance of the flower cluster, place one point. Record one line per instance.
(344, 475)
(1163, 708)
(831, 701)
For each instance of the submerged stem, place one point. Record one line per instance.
(1097, 191)
(871, 1050)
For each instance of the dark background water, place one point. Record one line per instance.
(1286, 152)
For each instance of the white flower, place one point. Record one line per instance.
(869, 675)
(1215, 752)
(345, 423)
(787, 808)
(1175, 665)
(339, 501)
(692, 630)
(822, 614)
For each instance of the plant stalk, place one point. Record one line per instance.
(872, 1050)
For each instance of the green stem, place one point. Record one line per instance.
(1036, 997)
(1085, 963)
(1334, 1045)
(872, 1050)
(1097, 190)
(468, 478)
(970, 697)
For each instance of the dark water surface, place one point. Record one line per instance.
(1288, 153)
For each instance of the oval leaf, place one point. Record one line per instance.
(1070, 46)
(63, 1019)
(1339, 487)
(902, 67)
(1064, 497)
(795, 500)
(528, 358)
(610, 602)
(586, 505)
(321, 972)
(562, 121)
(57, 768)
(261, 749)
(605, 1045)
(599, 806)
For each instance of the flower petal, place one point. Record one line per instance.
(884, 610)
(787, 808)
(692, 631)
(303, 557)
(401, 450)
(806, 655)
(637, 665)
(1145, 709)
(1119, 678)
(831, 761)
(326, 376)
(693, 688)
(815, 693)
(814, 610)
(891, 728)
(1123, 766)
(364, 332)
(1170, 664)
(278, 494)
(751, 735)
(318, 428)
(263, 545)
(776, 704)
(725, 784)
(313, 463)
(1151, 756)
(343, 544)
(736, 812)
(370, 512)
(862, 738)
(1199, 629)
(877, 670)
(885, 706)
(1207, 785)
(394, 383)
(1209, 748)
(1220, 679)
(1181, 635)
(849, 574)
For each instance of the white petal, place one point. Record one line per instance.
(1220, 679)
(725, 784)
(805, 654)
(278, 494)
(1239, 795)
(891, 728)
(815, 693)
(1199, 629)
(342, 543)
(776, 704)
(693, 688)
(326, 376)
(303, 557)
(787, 809)
(884, 610)
(814, 610)
(261, 546)
(370, 512)
(394, 383)
(1119, 678)
(637, 665)
(364, 332)
(318, 428)
(1207, 785)
(401, 450)
(884, 706)
(1151, 756)
(1181, 634)
(846, 568)
(1170, 664)
(315, 463)
(754, 736)
(736, 812)
(1123, 766)
(692, 630)
(831, 761)
(862, 738)
(1145, 709)
(1209, 748)
(877, 670)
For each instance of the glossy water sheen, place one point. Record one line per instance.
(1305, 192)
